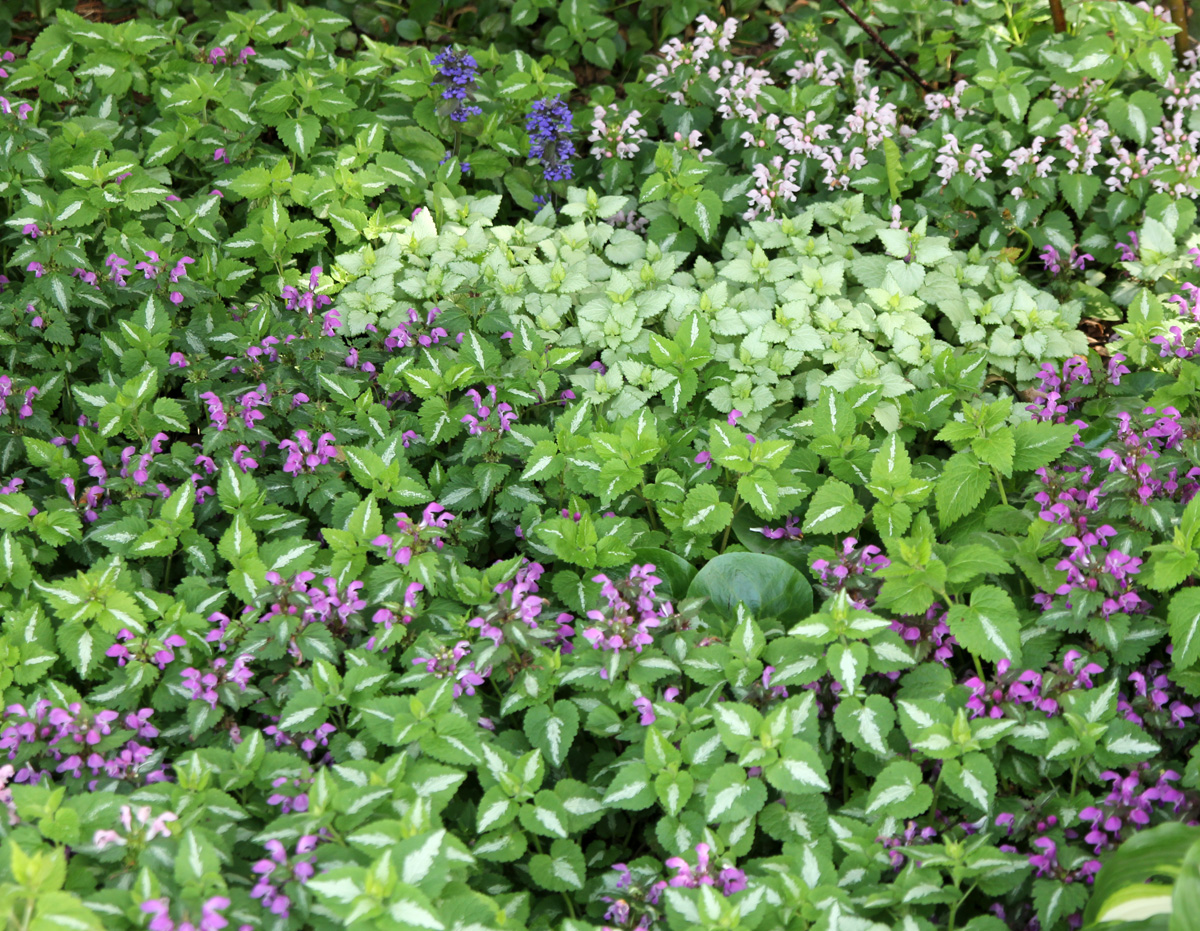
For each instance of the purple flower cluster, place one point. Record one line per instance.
(160, 654)
(524, 606)
(71, 737)
(632, 611)
(549, 128)
(146, 828)
(408, 334)
(928, 634)
(1137, 451)
(290, 793)
(1038, 690)
(477, 422)
(445, 664)
(1129, 805)
(204, 684)
(1153, 703)
(218, 56)
(416, 538)
(211, 918)
(1077, 260)
(276, 869)
(456, 74)
(1052, 402)
(851, 563)
(6, 391)
(636, 909)
(913, 836)
(706, 873)
(1068, 496)
(1174, 347)
(789, 531)
(308, 301)
(1090, 565)
(303, 457)
(307, 741)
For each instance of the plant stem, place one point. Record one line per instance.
(869, 30)
(1000, 485)
(937, 787)
(979, 668)
(1179, 18)
(1059, 15)
(736, 502)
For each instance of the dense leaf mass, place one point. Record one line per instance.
(594, 466)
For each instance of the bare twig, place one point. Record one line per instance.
(883, 45)
(1180, 19)
(1059, 15)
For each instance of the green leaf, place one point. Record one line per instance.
(300, 135)
(562, 870)
(730, 797)
(1183, 617)
(1079, 191)
(996, 449)
(704, 513)
(798, 770)
(833, 509)
(899, 792)
(973, 779)
(961, 487)
(768, 586)
(702, 212)
(1039, 444)
(847, 664)
(632, 790)
(1011, 101)
(552, 730)
(866, 723)
(989, 628)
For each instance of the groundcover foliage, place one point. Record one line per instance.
(408, 521)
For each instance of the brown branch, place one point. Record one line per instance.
(883, 45)
(1059, 16)
(1180, 19)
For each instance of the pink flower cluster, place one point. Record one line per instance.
(276, 869)
(146, 828)
(68, 738)
(632, 611)
(1037, 690)
(303, 456)
(522, 605)
(211, 918)
(415, 538)
(446, 663)
(1129, 805)
(477, 422)
(204, 684)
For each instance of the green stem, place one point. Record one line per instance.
(937, 787)
(1074, 776)
(1000, 485)
(649, 507)
(737, 500)
(979, 668)
(1028, 247)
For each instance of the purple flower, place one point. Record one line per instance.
(37, 268)
(646, 710)
(219, 155)
(549, 128)
(1115, 368)
(216, 55)
(244, 55)
(456, 74)
(31, 230)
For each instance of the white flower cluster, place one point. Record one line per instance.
(614, 137)
(952, 160)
